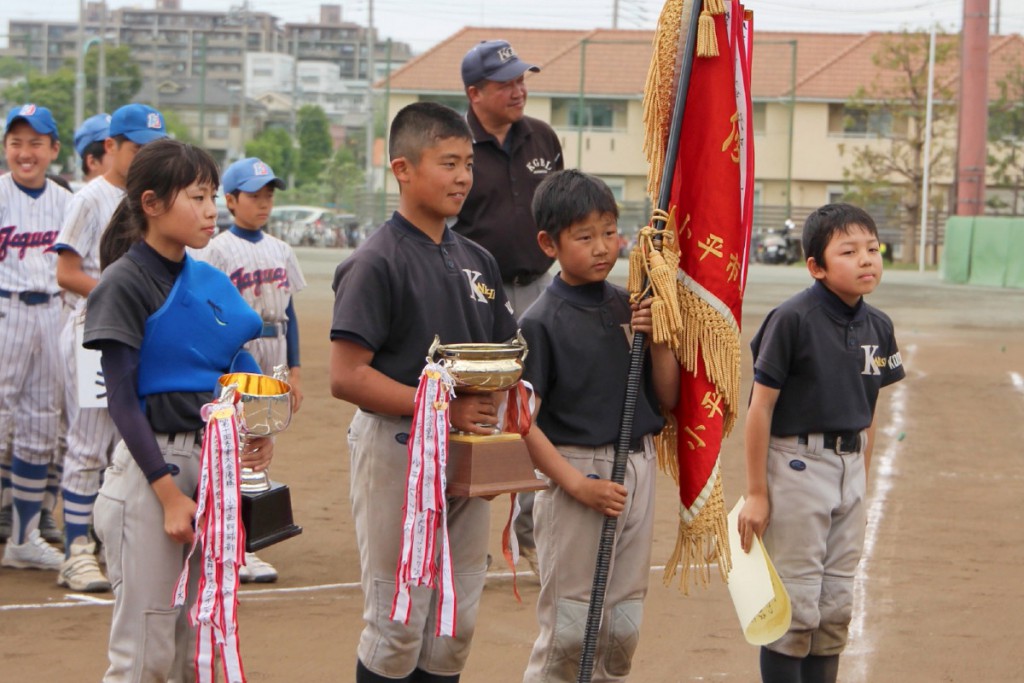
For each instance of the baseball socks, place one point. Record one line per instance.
(29, 483)
(77, 516)
(820, 668)
(421, 676)
(6, 501)
(364, 675)
(26, 549)
(779, 668)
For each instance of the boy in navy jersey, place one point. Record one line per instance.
(410, 280)
(819, 360)
(579, 333)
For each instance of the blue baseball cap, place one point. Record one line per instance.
(93, 129)
(249, 175)
(38, 117)
(140, 123)
(493, 60)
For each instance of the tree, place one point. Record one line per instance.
(315, 144)
(12, 67)
(123, 77)
(889, 172)
(1006, 140)
(275, 147)
(176, 128)
(342, 177)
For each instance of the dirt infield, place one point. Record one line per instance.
(939, 591)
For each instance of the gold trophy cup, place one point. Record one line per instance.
(265, 409)
(486, 465)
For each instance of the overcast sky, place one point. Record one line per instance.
(423, 23)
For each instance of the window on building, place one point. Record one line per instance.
(217, 133)
(457, 102)
(760, 121)
(595, 114)
(858, 121)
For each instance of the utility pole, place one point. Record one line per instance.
(80, 77)
(202, 91)
(101, 72)
(156, 60)
(615, 14)
(972, 135)
(370, 47)
(295, 107)
(245, 49)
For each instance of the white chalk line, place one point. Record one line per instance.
(1017, 380)
(883, 465)
(72, 600)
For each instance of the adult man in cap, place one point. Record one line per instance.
(512, 154)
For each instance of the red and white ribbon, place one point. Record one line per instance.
(220, 532)
(426, 508)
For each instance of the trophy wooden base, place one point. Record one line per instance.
(489, 465)
(267, 516)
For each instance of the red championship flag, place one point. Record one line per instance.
(708, 215)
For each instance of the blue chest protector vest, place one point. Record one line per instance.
(197, 334)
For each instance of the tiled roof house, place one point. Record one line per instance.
(830, 68)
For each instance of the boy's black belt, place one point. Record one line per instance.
(27, 298)
(842, 443)
(523, 279)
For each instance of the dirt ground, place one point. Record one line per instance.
(939, 593)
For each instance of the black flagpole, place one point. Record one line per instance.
(636, 359)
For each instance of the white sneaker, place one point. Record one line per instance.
(256, 570)
(35, 553)
(81, 571)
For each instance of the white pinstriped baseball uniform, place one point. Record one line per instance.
(30, 371)
(267, 274)
(91, 433)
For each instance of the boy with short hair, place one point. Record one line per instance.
(579, 333)
(31, 210)
(819, 360)
(91, 435)
(412, 279)
(90, 144)
(267, 274)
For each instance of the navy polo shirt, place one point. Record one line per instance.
(400, 288)
(497, 213)
(578, 362)
(829, 359)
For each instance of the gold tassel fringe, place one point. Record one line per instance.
(707, 40)
(701, 543)
(666, 444)
(705, 330)
(660, 88)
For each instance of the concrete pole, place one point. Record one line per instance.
(970, 187)
(925, 181)
(371, 45)
(80, 78)
(101, 75)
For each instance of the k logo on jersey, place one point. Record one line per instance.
(873, 366)
(479, 291)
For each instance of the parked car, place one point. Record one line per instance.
(312, 226)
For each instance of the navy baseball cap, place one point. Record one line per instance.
(493, 60)
(140, 123)
(249, 175)
(93, 129)
(38, 117)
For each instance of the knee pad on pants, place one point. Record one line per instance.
(623, 636)
(835, 610)
(804, 597)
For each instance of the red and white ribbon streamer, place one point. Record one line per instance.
(425, 507)
(220, 532)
